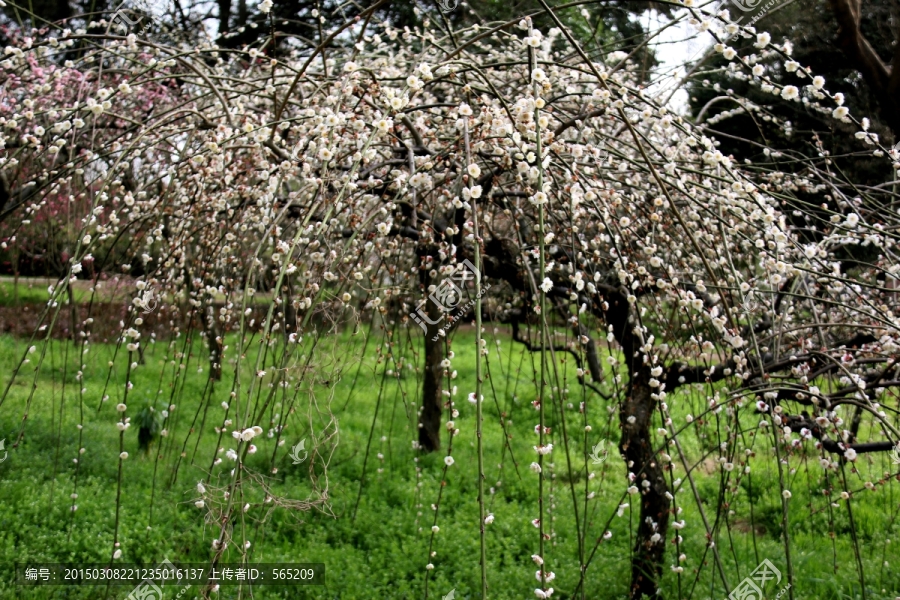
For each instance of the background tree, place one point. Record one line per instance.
(813, 30)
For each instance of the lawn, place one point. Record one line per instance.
(374, 533)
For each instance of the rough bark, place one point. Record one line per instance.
(637, 442)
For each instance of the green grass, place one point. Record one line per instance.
(34, 290)
(382, 553)
(26, 292)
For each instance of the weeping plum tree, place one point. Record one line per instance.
(605, 228)
(628, 222)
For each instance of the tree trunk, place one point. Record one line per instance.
(211, 332)
(289, 311)
(432, 404)
(636, 443)
(637, 448)
(883, 79)
(224, 16)
(73, 313)
(243, 14)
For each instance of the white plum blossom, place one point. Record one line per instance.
(762, 39)
(790, 92)
(544, 450)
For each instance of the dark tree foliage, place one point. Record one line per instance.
(812, 29)
(609, 25)
(309, 20)
(49, 10)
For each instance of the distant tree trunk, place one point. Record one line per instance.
(206, 312)
(243, 15)
(73, 312)
(213, 339)
(15, 263)
(882, 78)
(224, 16)
(291, 322)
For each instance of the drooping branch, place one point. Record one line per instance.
(799, 423)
